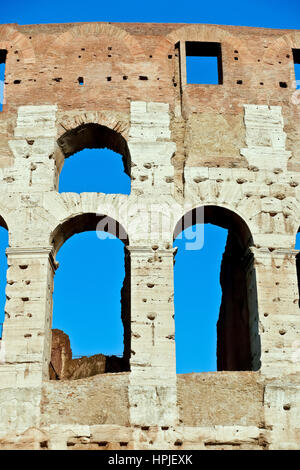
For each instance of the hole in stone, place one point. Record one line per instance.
(151, 316)
(178, 442)
(143, 77)
(44, 444)
(283, 84)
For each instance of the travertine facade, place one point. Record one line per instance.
(232, 149)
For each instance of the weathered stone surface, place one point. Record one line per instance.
(220, 398)
(101, 399)
(232, 149)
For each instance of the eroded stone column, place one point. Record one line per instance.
(26, 341)
(152, 390)
(279, 322)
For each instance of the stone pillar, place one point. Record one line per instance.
(34, 148)
(279, 330)
(149, 143)
(279, 322)
(26, 341)
(152, 390)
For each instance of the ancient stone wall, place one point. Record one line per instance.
(228, 152)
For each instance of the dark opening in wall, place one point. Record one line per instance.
(3, 54)
(204, 63)
(101, 163)
(91, 322)
(296, 56)
(215, 292)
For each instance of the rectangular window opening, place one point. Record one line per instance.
(3, 54)
(296, 55)
(204, 63)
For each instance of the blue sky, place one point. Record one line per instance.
(265, 13)
(90, 276)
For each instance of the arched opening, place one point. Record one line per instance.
(91, 308)
(3, 270)
(298, 261)
(215, 287)
(102, 162)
